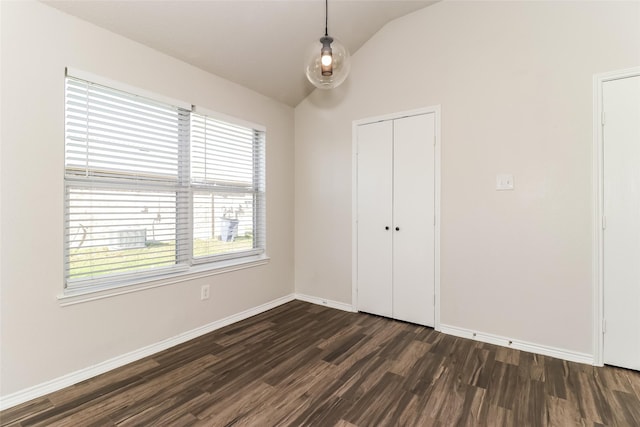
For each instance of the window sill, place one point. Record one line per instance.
(70, 297)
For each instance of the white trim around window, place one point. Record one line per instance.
(80, 296)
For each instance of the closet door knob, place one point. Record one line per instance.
(397, 228)
(387, 227)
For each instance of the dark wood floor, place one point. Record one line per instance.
(303, 364)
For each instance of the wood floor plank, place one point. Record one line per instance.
(474, 400)
(451, 408)
(406, 360)
(561, 412)
(372, 406)
(292, 398)
(366, 378)
(105, 383)
(627, 405)
(633, 380)
(507, 355)
(26, 410)
(305, 364)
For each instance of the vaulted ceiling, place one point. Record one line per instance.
(261, 45)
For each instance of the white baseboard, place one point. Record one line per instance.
(67, 380)
(326, 302)
(559, 353)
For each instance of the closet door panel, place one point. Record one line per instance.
(413, 214)
(374, 221)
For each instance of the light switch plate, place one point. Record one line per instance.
(504, 181)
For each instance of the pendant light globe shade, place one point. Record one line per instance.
(336, 65)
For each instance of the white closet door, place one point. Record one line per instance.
(621, 105)
(375, 218)
(413, 215)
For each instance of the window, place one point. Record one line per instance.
(154, 189)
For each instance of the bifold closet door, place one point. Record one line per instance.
(374, 222)
(413, 216)
(621, 237)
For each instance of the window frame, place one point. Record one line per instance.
(187, 266)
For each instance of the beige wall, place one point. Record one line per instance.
(40, 339)
(514, 80)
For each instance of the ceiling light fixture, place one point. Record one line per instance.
(331, 67)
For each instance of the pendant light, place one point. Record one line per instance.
(328, 62)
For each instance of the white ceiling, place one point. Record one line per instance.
(261, 45)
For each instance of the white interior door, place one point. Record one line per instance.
(374, 181)
(413, 217)
(621, 236)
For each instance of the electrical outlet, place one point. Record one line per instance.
(504, 182)
(204, 292)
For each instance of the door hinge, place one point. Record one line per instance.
(604, 326)
(603, 120)
(604, 222)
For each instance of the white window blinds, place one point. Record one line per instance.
(227, 179)
(112, 133)
(152, 188)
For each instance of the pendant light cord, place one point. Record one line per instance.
(326, 18)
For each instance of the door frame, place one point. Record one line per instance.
(435, 109)
(598, 199)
